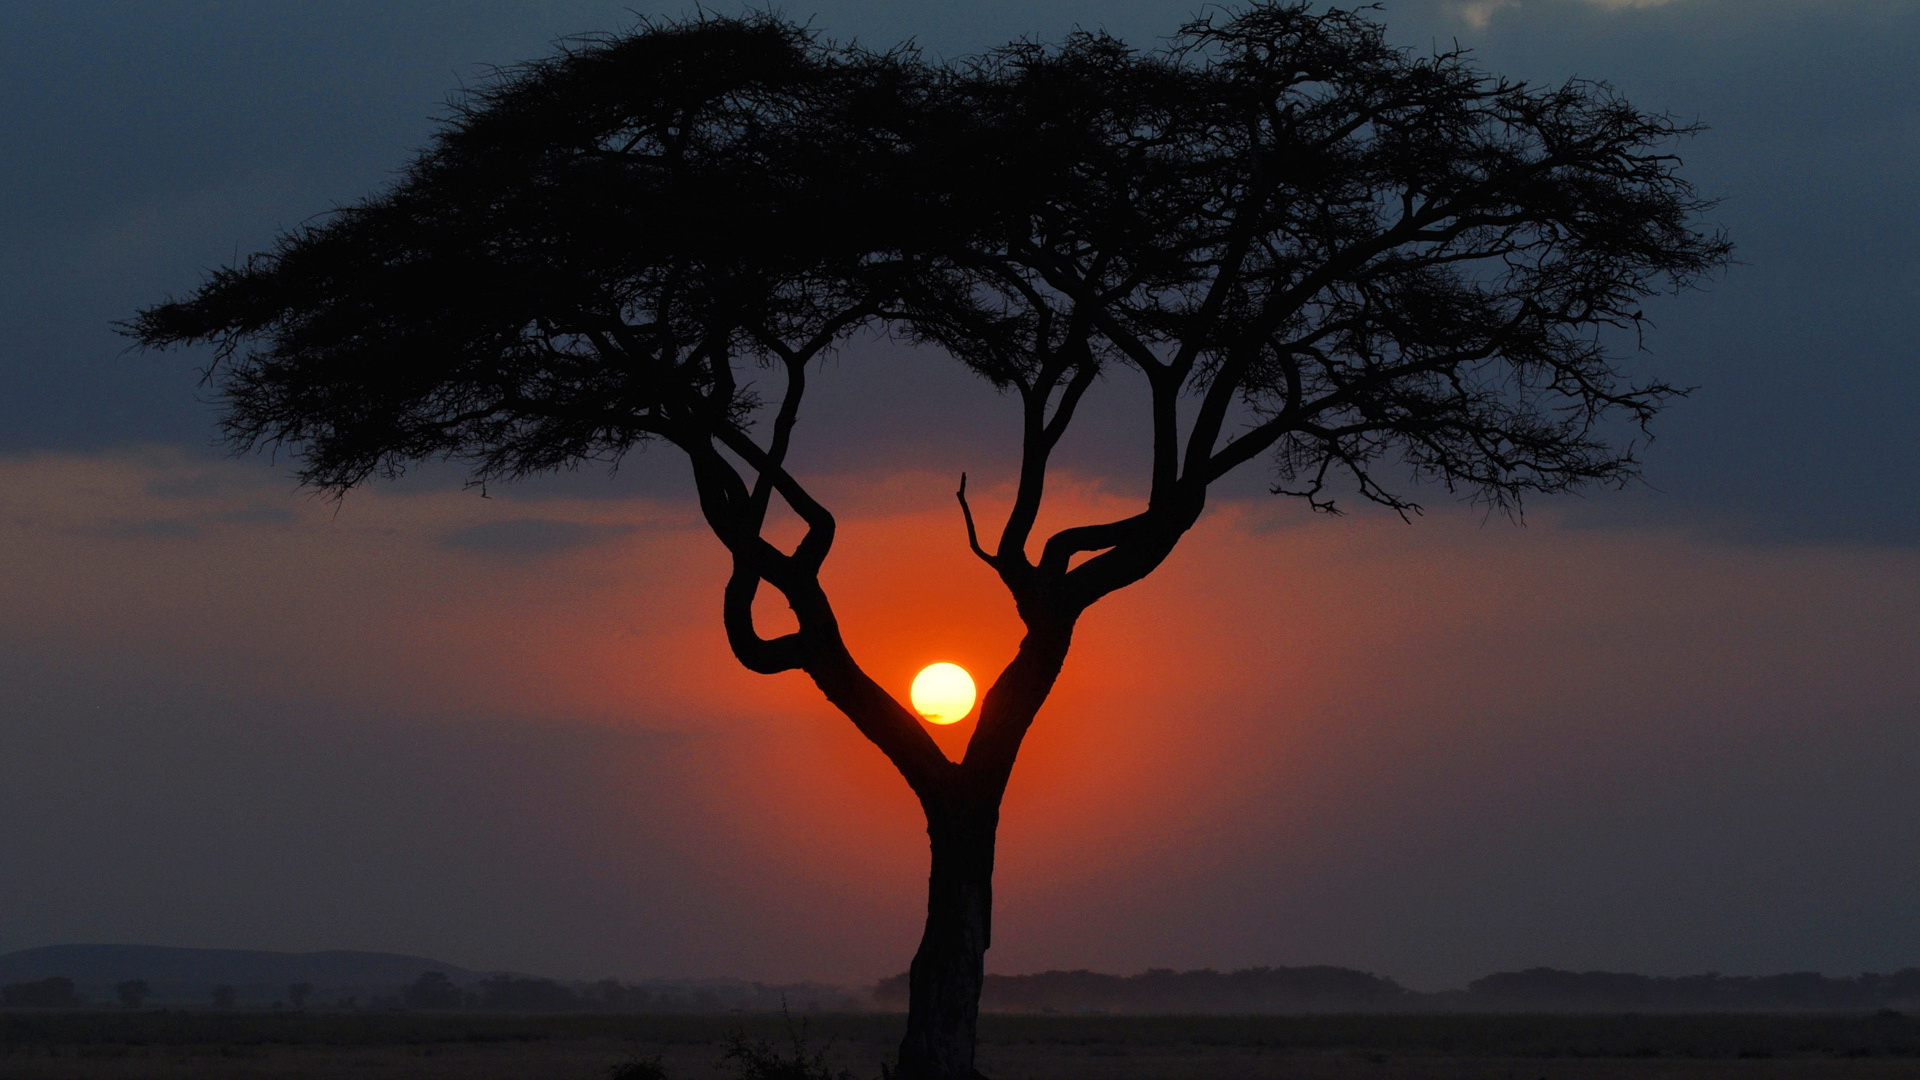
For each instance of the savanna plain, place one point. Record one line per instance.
(168, 1045)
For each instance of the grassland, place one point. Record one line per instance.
(161, 1045)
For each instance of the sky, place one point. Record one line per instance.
(1671, 729)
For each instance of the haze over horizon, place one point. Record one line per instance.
(1668, 730)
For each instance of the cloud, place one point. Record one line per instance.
(1480, 13)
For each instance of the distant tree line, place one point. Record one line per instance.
(1249, 990)
(1586, 991)
(55, 993)
(1285, 989)
(434, 990)
(1335, 989)
(500, 993)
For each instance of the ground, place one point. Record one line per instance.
(176, 1045)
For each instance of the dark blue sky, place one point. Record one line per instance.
(147, 142)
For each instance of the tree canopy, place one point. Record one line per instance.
(1378, 256)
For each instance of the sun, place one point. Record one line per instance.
(943, 693)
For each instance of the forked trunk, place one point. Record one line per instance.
(943, 1010)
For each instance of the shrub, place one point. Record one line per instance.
(761, 1059)
(639, 1069)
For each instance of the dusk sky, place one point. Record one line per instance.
(1673, 729)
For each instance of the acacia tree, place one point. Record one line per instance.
(1371, 266)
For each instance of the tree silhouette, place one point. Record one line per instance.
(132, 992)
(54, 992)
(432, 990)
(1371, 266)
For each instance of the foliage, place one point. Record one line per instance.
(1615, 1034)
(56, 992)
(1594, 991)
(432, 990)
(763, 1059)
(1166, 992)
(515, 993)
(638, 193)
(1361, 257)
(132, 992)
(1331, 989)
(639, 1069)
(1376, 252)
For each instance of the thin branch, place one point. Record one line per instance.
(973, 535)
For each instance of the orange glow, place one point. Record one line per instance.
(1284, 692)
(943, 693)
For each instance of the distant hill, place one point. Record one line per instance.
(190, 974)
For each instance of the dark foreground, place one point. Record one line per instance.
(325, 1046)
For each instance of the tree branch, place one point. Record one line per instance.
(973, 535)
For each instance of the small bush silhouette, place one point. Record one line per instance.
(761, 1059)
(639, 1069)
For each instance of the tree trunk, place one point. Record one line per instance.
(944, 983)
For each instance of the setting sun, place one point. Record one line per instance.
(943, 693)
